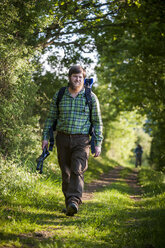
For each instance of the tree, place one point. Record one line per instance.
(128, 36)
(27, 29)
(131, 65)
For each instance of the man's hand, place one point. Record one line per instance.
(44, 144)
(97, 151)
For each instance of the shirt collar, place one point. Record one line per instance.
(80, 93)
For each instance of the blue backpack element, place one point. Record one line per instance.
(88, 83)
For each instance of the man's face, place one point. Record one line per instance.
(76, 81)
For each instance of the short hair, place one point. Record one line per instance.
(75, 69)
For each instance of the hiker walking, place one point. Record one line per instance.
(138, 153)
(74, 122)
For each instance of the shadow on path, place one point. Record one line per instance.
(112, 177)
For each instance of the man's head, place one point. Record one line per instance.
(76, 77)
(76, 69)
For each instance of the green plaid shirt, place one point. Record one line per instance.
(74, 116)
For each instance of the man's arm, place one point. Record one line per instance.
(52, 115)
(45, 144)
(97, 151)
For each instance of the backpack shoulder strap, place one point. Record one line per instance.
(88, 96)
(59, 96)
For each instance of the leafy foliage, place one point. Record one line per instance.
(128, 37)
(26, 29)
(131, 65)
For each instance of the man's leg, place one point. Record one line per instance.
(136, 162)
(64, 159)
(79, 164)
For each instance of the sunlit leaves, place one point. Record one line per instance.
(131, 60)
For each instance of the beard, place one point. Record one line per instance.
(74, 85)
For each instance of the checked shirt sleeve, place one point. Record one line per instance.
(52, 115)
(96, 120)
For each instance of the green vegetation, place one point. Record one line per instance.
(130, 70)
(127, 38)
(31, 207)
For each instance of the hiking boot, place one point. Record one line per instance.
(72, 209)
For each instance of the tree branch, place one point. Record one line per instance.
(49, 39)
(89, 19)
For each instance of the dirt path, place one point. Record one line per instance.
(132, 181)
(111, 177)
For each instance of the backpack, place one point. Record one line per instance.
(138, 151)
(88, 85)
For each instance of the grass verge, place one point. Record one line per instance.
(31, 211)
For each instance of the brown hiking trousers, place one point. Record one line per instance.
(73, 153)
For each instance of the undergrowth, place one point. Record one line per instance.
(31, 209)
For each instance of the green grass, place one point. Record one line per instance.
(31, 211)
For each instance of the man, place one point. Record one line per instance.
(72, 140)
(138, 152)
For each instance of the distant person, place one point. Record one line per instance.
(138, 152)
